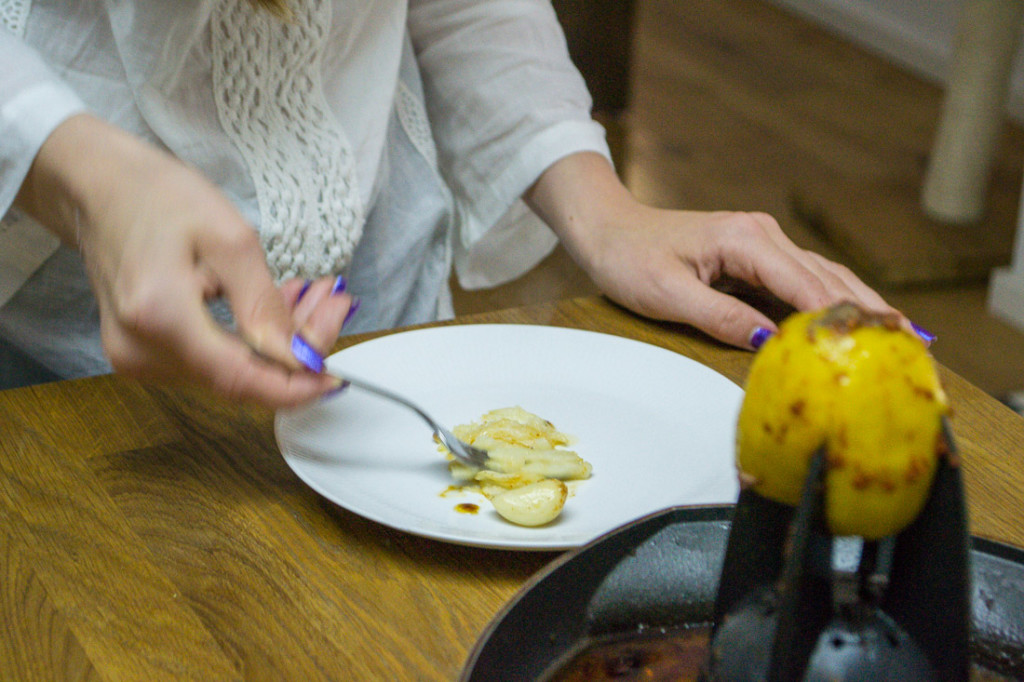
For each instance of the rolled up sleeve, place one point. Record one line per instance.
(33, 102)
(505, 102)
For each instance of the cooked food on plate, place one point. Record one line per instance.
(527, 467)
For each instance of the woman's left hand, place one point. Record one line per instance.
(662, 263)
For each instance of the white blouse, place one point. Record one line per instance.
(292, 119)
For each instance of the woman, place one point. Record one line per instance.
(228, 180)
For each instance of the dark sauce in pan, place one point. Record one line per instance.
(670, 656)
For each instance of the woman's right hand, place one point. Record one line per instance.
(159, 241)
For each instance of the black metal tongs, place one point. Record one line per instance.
(795, 603)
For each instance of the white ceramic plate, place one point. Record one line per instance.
(657, 427)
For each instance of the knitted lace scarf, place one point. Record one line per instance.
(14, 14)
(270, 101)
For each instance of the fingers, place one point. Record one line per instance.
(230, 368)
(806, 280)
(268, 317)
(837, 283)
(319, 309)
(179, 342)
(727, 318)
(313, 310)
(176, 339)
(868, 296)
(665, 271)
(158, 241)
(802, 278)
(233, 258)
(663, 287)
(173, 338)
(155, 331)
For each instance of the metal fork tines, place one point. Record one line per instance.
(462, 451)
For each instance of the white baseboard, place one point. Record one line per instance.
(921, 43)
(1006, 295)
(1016, 401)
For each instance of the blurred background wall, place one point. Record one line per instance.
(918, 35)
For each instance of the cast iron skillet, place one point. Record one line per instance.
(661, 571)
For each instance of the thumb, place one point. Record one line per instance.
(263, 320)
(728, 319)
(266, 325)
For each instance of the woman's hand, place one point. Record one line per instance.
(159, 241)
(662, 263)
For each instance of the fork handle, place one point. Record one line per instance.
(385, 393)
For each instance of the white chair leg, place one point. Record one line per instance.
(973, 109)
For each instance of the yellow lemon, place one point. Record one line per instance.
(865, 389)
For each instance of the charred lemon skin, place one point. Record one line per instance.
(865, 389)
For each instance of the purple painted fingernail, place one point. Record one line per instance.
(305, 354)
(339, 285)
(925, 335)
(351, 310)
(759, 336)
(304, 289)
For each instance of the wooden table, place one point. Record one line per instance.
(154, 533)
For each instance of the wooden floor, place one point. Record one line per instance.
(737, 104)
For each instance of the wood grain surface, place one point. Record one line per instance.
(765, 108)
(155, 533)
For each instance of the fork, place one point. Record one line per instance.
(462, 451)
